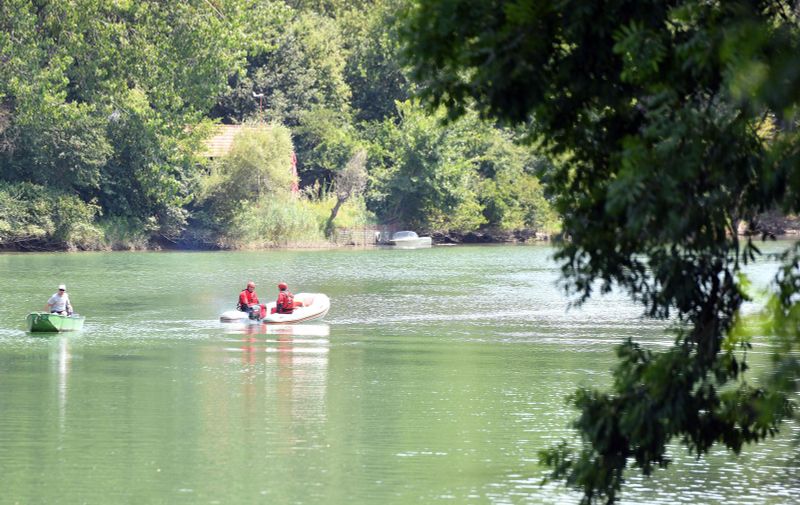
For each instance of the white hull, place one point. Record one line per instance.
(412, 243)
(318, 306)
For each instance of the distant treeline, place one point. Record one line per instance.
(105, 108)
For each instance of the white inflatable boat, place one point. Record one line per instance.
(315, 305)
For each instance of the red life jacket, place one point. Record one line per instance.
(285, 302)
(247, 299)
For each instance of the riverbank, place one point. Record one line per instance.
(769, 224)
(347, 237)
(772, 224)
(491, 237)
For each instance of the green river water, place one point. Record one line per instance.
(435, 378)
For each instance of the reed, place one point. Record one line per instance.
(290, 221)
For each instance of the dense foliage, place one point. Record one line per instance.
(456, 177)
(30, 214)
(96, 97)
(675, 121)
(111, 102)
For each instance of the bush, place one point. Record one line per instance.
(35, 217)
(24, 215)
(273, 222)
(258, 164)
(353, 214)
(515, 200)
(278, 221)
(246, 200)
(125, 234)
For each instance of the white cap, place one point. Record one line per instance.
(62, 286)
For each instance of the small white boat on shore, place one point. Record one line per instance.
(409, 240)
(315, 305)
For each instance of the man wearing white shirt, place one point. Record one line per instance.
(59, 302)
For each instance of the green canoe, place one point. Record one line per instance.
(44, 321)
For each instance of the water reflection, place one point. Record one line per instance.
(300, 355)
(294, 359)
(63, 360)
(305, 330)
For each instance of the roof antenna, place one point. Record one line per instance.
(260, 97)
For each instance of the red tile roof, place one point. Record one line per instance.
(221, 142)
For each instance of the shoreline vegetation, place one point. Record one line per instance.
(364, 237)
(770, 225)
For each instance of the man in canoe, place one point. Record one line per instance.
(286, 302)
(248, 302)
(59, 302)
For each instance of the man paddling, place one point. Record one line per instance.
(248, 302)
(59, 302)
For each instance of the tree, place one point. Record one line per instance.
(34, 217)
(458, 177)
(300, 72)
(656, 110)
(96, 97)
(326, 139)
(511, 193)
(374, 69)
(349, 182)
(258, 165)
(424, 174)
(298, 68)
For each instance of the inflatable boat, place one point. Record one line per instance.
(315, 305)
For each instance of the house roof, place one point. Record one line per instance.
(220, 143)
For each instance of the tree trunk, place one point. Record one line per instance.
(329, 224)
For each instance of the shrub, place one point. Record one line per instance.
(275, 222)
(35, 217)
(125, 233)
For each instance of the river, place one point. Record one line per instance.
(435, 378)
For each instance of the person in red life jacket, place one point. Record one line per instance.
(248, 302)
(286, 303)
